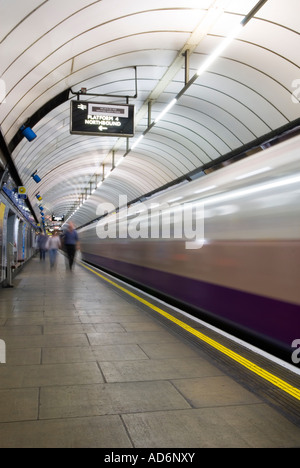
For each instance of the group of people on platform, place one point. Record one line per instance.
(68, 242)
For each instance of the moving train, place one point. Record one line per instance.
(241, 270)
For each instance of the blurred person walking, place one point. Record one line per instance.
(71, 243)
(42, 245)
(53, 245)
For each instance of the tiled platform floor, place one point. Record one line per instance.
(88, 368)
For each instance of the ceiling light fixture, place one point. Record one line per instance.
(166, 110)
(218, 51)
(137, 141)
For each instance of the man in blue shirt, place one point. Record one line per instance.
(42, 245)
(71, 243)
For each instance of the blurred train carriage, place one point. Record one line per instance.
(246, 274)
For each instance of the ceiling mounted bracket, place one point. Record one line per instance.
(83, 91)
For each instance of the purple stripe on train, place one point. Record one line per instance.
(268, 320)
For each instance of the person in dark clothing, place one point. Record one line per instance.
(71, 243)
(42, 245)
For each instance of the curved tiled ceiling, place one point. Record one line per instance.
(51, 46)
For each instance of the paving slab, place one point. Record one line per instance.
(246, 426)
(88, 432)
(91, 400)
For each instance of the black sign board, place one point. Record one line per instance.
(94, 118)
(58, 219)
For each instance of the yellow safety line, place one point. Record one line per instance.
(293, 391)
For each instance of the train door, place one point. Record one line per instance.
(2, 242)
(20, 245)
(12, 224)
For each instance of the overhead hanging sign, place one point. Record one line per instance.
(58, 219)
(94, 118)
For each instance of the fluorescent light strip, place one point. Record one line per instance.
(137, 141)
(164, 112)
(203, 67)
(224, 44)
(120, 161)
